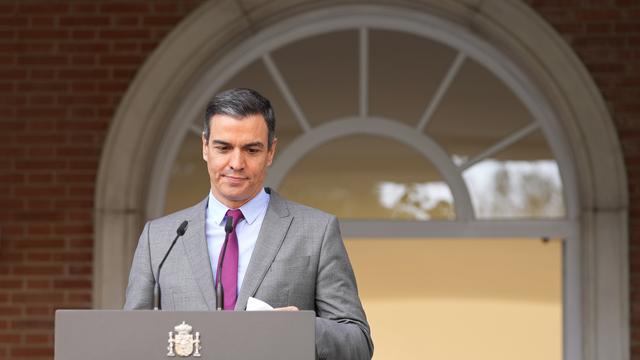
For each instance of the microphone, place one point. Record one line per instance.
(228, 228)
(156, 288)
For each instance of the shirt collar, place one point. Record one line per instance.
(216, 211)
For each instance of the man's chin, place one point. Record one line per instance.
(237, 196)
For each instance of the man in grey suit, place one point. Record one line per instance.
(288, 255)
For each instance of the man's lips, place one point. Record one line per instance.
(233, 178)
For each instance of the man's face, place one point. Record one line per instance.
(237, 157)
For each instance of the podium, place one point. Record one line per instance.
(157, 335)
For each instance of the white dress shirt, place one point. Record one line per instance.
(247, 230)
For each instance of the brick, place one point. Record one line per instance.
(124, 34)
(39, 244)
(7, 8)
(83, 74)
(13, 21)
(10, 284)
(84, 34)
(9, 338)
(32, 351)
(11, 152)
(127, 20)
(39, 229)
(83, 124)
(40, 165)
(38, 257)
(126, 47)
(65, 229)
(12, 125)
(84, 8)
(121, 60)
(41, 100)
(38, 339)
(73, 256)
(38, 284)
(80, 270)
(113, 86)
(80, 298)
(165, 7)
(72, 284)
(124, 74)
(43, 60)
(83, 100)
(81, 243)
(53, 86)
(42, 74)
(42, 8)
(47, 34)
(32, 310)
(32, 297)
(76, 178)
(12, 74)
(7, 34)
(45, 112)
(597, 15)
(85, 47)
(124, 8)
(43, 21)
(84, 60)
(161, 20)
(91, 21)
(83, 164)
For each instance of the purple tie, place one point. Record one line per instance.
(230, 265)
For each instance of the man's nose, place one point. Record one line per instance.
(237, 160)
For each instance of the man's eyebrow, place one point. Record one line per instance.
(258, 144)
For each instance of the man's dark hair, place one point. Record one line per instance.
(239, 103)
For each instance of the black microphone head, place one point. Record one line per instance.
(182, 228)
(228, 226)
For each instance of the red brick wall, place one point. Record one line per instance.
(64, 66)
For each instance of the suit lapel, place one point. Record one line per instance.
(195, 246)
(272, 232)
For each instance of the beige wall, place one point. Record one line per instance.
(460, 299)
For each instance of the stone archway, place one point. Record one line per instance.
(216, 27)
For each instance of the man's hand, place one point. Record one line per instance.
(287, 308)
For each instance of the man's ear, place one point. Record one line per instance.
(272, 151)
(205, 146)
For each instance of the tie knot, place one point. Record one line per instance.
(236, 215)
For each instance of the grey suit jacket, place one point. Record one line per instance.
(299, 259)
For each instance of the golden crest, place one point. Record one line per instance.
(183, 343)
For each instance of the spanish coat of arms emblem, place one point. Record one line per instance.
(183, 343)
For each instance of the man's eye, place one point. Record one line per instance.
(222, 148)
(253, 150)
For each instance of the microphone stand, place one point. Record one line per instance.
(182, 229)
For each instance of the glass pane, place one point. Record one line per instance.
(476, 112)
(405, 72)
(322, 73)
(367, 177)
(522, 181)
(461, 299)
(255, 76)
(188, 180)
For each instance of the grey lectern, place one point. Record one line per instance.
(158, 335)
